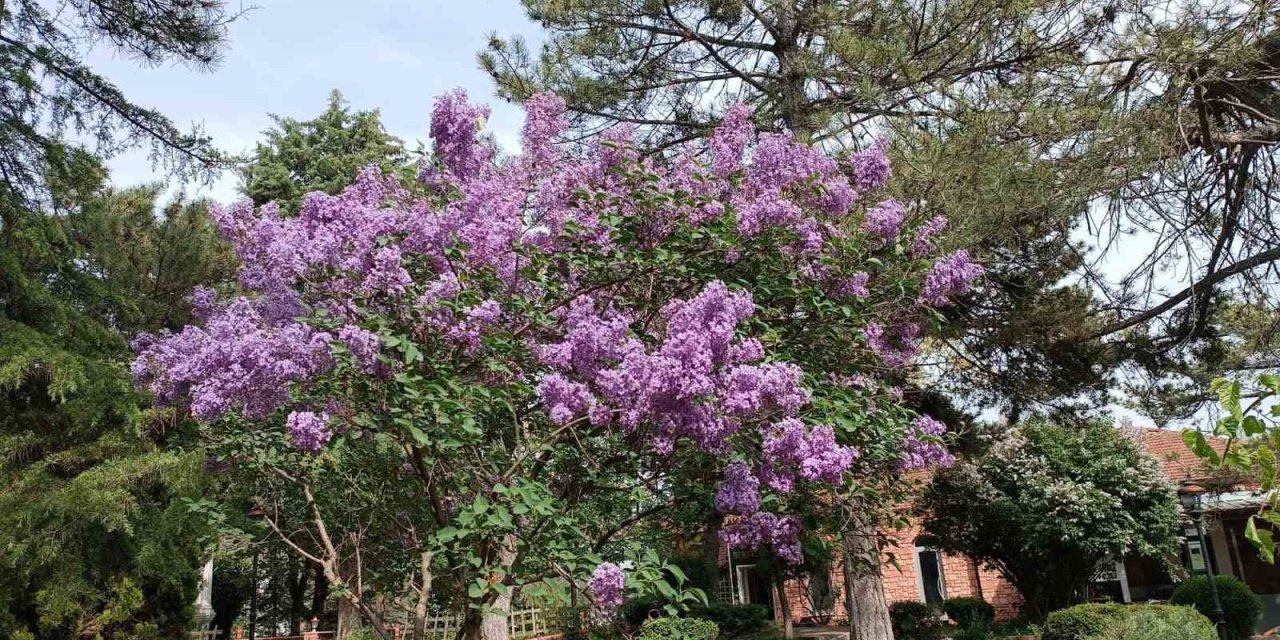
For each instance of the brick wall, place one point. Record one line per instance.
(961, 577)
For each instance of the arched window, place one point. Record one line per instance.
(929, 577)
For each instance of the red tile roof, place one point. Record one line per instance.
(1176, 460)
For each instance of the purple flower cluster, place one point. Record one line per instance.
(363, 344)
(455, 128)
(922, 242)
(607, 586)
(696, 383)
(871, 167)
(235, 363)
(792, 450)
(854, 286)
(779, 533)
(896, 344)
(948, 278)
(730, 139)
(885, 219)
(739, 492)
(922, 446)
(309, 430)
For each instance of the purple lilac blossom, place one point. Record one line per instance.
(607, 586)
(921, 447)
(871, 167)
(947, 279)
(364, 346)
(729, 140)
(779, 533)
(791, 450)
(895, 345)
(204, 303)
(309, 431)
(885, 219)
(739, 492)
(455, 125)
(922, 242)
(854, 286)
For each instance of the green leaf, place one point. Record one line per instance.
(1253, 426)
(419, 435)
(1228, 392)
(1261, 539)
(1195, 441)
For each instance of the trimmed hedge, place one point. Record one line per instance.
(1167, 622)
(1239, 604)
(678, 629)
(915, 621)
(734, 619)
(1081, 622)
(969, 612)
(1127, 622)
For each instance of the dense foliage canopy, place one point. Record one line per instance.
(1049, 504)
(510, 347)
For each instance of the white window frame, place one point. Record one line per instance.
(942, 573)
(744, 589)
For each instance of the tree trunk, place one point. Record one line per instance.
(348, 618)
(297, 596)
(319, 595)
(867, 607)
(711, 551)
(784, 605)
(424, 599)
(470, 628)
(495, 625)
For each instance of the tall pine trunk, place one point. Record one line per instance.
(868, 608)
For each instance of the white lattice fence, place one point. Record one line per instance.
(523, 623)
(528, 623)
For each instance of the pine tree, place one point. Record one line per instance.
(321, 154)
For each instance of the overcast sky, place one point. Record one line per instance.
(286, 55)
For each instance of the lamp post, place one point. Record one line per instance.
(1189, 494)
(256, 514)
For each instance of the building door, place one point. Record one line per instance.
(753, 587)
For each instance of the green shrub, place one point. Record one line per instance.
(678, 629)
(915, 621)
(1239, 604)
(581, 623)
(1161, 622)
(636, 610)
(1019, 626)
(1127, 622)
(970, 612)
(1080, 622)
(734, 620)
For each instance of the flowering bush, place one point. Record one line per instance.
(522, 331)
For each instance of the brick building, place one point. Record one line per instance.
(913, 570)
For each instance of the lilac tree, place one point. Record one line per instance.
(513, 347)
